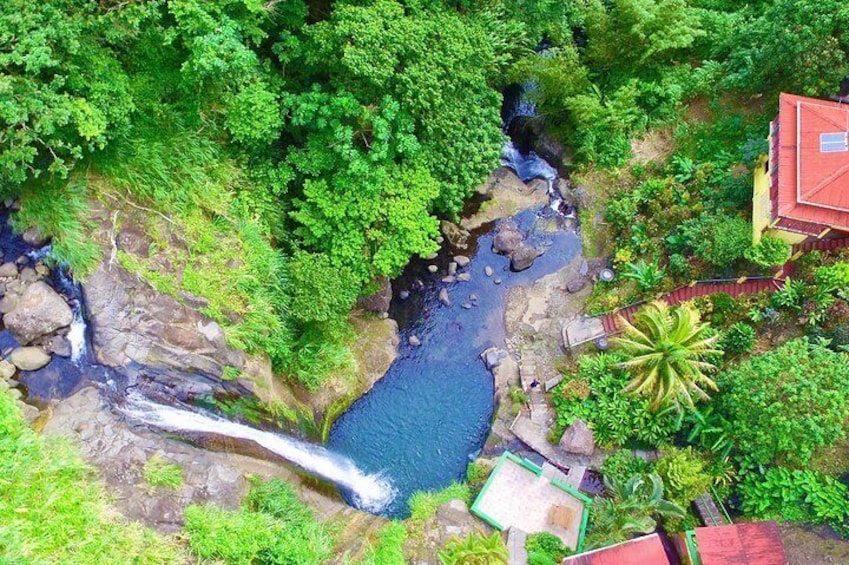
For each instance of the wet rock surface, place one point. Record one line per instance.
(120, 449)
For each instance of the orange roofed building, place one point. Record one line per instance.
(801, 188)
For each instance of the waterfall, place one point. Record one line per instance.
(370, 492)
(77, 333)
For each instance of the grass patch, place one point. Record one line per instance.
(53, 510)
(388, 548)
(59, 210)
(423, 505)
(159, 473)
(272, 527)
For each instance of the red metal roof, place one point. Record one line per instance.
(741, 544)
(813, 185)
(647, 550)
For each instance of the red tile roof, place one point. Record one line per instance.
(647, 550)
(813, 186)
(741, 544)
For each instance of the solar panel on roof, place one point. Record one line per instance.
(833, 142)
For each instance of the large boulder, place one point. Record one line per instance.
(523, 257)
(507, 238)
(578, 438)
(133, 323)
(29, 358)
(39, 312)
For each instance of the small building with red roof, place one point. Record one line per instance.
(801, 189)
(756, 543)
(646, 550)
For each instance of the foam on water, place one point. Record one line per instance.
(370, 491)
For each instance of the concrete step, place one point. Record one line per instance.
(516, 552)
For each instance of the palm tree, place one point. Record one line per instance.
(666, 350)
(629, 509)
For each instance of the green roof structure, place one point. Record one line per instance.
(518, 495)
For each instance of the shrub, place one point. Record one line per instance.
(784, 404)
(683, 473)
(475, 549)
(545, 549)
(798, 495)
(739, 338)
(770, 252)
(623, 465)
(646, 275)
(721, 241)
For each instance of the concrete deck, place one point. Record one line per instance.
(518, 498)
(580, 330)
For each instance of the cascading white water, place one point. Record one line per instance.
(372, 492)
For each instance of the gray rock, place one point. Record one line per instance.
(473, 297)
(28, 275)
(29, 358)
(578, 438)
(523, 257)
(378, 302)
(414, 341)
(22, 260)
(575, 286)
(8, 303)
(404, 294)
(29, 412)
(585, 268)
(133, 323)
(431, 257)
(7, 370)
(432, 268)
(34, 237)
(133, 240)
(466, 305)
(464, 277)
(452, 268)
(444, 298)
(59, 345)
(497, 281)
(461, 260)
(449, 279)
(8, 270)
(39, 312)
(457, 236)
(42, 270)
(507, 238)
(493, 357)
(488, 271)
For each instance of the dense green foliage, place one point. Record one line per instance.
(52, 509)
(629, 507)
(801, 390)
(799, 495)
(594, 394)
(273, 527)
(545, 549)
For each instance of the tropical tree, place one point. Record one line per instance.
(475, 549)
(665, 352)
(629, 508)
